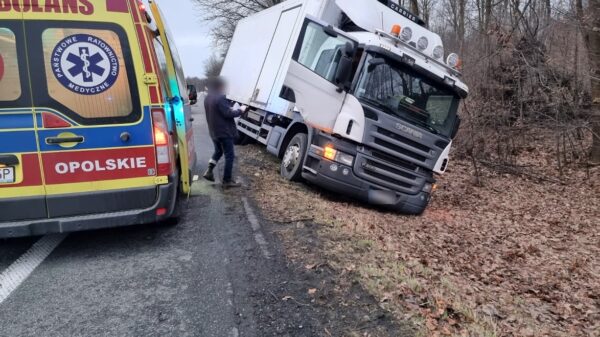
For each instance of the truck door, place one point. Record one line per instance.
(95, 135)
(177, 90)
(311, 75)
(22, 192)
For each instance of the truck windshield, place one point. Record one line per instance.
(400, 91)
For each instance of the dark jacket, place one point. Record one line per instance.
(220, 116)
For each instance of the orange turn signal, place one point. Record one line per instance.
(329, 152)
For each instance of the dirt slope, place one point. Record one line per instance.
(513, 257)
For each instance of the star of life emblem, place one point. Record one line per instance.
(85, 64)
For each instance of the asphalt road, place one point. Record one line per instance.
(196, 278)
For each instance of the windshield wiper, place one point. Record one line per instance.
(379, 105)
(391, 111)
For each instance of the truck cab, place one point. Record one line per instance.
(363, 103)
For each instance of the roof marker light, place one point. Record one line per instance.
(453, 61)
(449, 82)
(406, 34)
(423, 43)
(438, 52)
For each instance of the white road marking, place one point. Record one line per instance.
(19, 271)
(258, 236)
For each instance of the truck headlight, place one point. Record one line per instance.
(344, 158)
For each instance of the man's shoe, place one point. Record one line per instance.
(209, 175)
(231, 184)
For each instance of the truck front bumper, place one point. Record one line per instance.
(342, 179)
(166, 199)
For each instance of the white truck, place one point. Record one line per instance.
(353, 96)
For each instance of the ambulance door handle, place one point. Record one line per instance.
(62, 140)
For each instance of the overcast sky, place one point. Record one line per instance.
(191, 35)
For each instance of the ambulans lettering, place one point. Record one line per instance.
(90, 166)
(85, 64)
(84, 7)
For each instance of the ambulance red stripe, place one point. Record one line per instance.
(30, 163)
(154, 97)
(155, 65)
(134, 10)
(84, 166)
(144, 47)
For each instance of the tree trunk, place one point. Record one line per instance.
(487, 15)
(593, 38)
(414, 7)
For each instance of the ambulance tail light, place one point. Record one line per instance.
(163, 143)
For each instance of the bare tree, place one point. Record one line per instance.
(223, 16)
(414, 7)
(213, 66)
(593, 41)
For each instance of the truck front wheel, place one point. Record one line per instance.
(293, 158)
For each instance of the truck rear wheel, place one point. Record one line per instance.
(293, 158)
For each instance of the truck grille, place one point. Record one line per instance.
(402, 178)
(400, 147)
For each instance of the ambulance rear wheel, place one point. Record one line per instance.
(293, 158)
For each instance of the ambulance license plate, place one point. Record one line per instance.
(7, 175)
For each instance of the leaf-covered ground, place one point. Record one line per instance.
(515, 256)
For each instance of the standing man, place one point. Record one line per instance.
(223, 131)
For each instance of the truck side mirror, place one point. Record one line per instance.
(344, 73)
(456, 127)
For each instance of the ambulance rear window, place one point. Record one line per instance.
(10, 81)
(86, 72)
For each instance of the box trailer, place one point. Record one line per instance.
(352, 96)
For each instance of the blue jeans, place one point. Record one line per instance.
(224, 146)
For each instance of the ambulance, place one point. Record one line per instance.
(95, 120)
